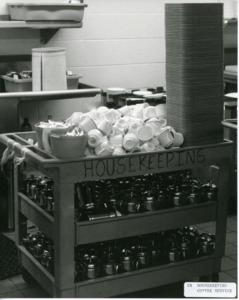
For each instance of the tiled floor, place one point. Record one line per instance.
(16, 287)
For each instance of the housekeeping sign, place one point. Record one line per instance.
(144, 163)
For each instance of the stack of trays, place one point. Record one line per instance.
(194, 71)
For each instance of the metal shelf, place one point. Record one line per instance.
(51, 95)
(39, 25)
(47, 28)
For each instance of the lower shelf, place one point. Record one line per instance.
(126, 282)
(147, 278)
(45, 279)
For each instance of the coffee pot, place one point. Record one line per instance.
(174, 253)
(194, 195)
(210, 191)
(143, 258)
(150, 203)
(127, 261)
(92, 268)
(178, 197)
(111, 267)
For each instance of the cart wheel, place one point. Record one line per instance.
(209, 278)
(27, 277)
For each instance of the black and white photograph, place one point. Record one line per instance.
(118, 148)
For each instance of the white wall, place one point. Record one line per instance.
(121, 43)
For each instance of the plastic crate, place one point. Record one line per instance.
(25, 85)
(72, 81)
(17, 85)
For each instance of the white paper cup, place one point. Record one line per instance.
(89, 152)
(166, 138)
(159, 148)
(102, 109)
(104, 148)
(135, 120)
(86, 124)
(170, 128)
(125, 110)
(155, 141)
(145, 133)
(119, 151)
(95, 137)
(94, 115)
(116, 113)
(148, 147)
(178, 138)
(117, 129)
(134, 127)
(155, 124)
(137, 112)
(130, 141)
(110, 116)
(105, 126)
(161, 111)
(123, 122)
(149, 112)
(75, 118)
(116, 140)
(142, 105)
(162, 121)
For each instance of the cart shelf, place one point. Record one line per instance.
(146, 278)
(101, 230)
(172, 218)
(34, 267)
(37, 215)
(109, 285)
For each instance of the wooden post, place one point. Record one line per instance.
(64, 236)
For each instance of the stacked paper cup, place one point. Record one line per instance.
(194, 71)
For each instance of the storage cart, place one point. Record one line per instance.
(66, 233)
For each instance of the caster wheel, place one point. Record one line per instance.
(27, 277)
(209, 278)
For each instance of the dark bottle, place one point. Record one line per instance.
(178, 199)
(150, 202)
(26, 126)
(132, 203)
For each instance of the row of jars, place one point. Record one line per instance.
(40, 189)
(117, 197)
(134, 253)
(127, 254)
(123, 196)
(42, 248)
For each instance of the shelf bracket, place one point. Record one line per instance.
(47, 34)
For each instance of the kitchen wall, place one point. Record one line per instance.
(121, 44)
